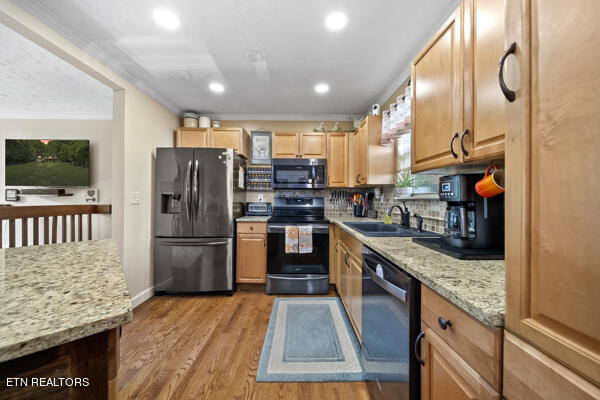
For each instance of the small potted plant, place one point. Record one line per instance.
(404, 183)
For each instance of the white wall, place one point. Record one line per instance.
(140, 124)
(98, 132)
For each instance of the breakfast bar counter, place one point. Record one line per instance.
(477, 287)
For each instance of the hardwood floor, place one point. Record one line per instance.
(207, 347)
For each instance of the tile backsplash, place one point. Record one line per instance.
(432, 211)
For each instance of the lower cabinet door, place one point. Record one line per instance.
(251, 266)
(356, 293)
(444, 375)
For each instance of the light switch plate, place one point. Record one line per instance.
(11, 194)
(261, 197)
(135, 198)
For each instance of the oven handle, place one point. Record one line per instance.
(392, 289)
(272, 228)
(304, 278)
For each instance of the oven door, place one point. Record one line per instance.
(301, 273)
(298, 174)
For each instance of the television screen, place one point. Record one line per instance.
(47, 162)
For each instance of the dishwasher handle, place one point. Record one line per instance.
(392, 289)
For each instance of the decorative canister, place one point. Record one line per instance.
(216, 124)
(190, 120)
(204, 121)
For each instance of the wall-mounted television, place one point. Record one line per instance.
(47, 162)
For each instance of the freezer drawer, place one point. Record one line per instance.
(193, 265)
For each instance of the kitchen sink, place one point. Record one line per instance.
(379, 229)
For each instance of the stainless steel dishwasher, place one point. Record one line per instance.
(391, 305)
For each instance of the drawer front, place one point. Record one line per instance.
(252, 227)
(531, 374)
(479, 345)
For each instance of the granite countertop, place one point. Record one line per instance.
(53, 294)
(477, 287)
(253, 218)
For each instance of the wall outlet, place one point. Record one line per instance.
(261, 197)
(135, 198)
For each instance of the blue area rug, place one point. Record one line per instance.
(309, 340)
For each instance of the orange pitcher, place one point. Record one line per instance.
(491, 184)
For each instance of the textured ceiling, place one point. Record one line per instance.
(269, 54)
(36, 84)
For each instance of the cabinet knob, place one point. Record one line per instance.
(251, 228)
(443, 323)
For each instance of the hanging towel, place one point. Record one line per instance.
(305, 242)
(291, 239)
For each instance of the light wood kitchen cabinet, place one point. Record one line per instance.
(531, 374)
(285, 145)
(485, 123)
(445, 375)
(299, 145)
(251, 259)
(350, 283)
(237, 139)
(356, 292)
(343, 285)
(334, 270)
(552, 147)
(373, 163)
(313, 144)
(192, 137)
(437, 98)
(337, 159)
(479, 345)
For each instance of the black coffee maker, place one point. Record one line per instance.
(471, 221)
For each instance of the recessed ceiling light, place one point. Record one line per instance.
(216, 87)
(336, 21)
(322, 88)
(166, 19)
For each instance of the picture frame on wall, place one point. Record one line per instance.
(260, 145)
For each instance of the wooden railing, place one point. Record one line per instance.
(68, 215)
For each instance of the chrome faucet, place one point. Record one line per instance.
(404, 214)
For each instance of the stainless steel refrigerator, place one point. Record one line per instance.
(199, 193)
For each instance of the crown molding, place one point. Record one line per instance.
(84, 116)
(282, 117)
(44, 14)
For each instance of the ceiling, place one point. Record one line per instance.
(269, 54)
(36, 84)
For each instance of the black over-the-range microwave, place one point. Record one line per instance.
(305, 173)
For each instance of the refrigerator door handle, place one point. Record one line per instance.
(188, 198)
(195, 197)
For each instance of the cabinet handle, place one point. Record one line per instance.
(264, 243)
(444, 323)
(358, 178)
(418, 347)
(336, 247)
(462, 145)
(509, 94)
(346, 260)
(452, 145)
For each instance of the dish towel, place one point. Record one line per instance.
(305, 242)
(291, 239)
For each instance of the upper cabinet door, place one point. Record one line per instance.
(231, 138)
(192, 137)
(313, 145)
(485, 125)
(552, 195)
(285, 145)
(437, 104)
(337, 159)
